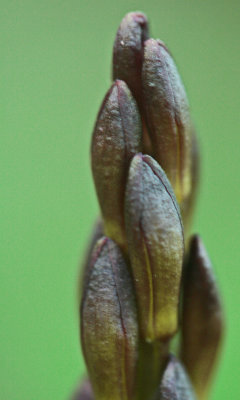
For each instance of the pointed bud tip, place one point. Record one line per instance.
(175, 384)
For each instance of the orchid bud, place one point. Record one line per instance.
(128, 51)
(202, 325)
(156, 245)
(167, 115)
(109, 330)
(175, 384)
(116, 139)
(83, 392)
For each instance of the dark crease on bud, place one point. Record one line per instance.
(83, 392)
(202, 325)
(116, 139)
(109, 329)
(128, 51)
(167, 115)
(156, 245)
(175, 384)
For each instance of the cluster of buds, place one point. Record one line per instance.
(145, 279)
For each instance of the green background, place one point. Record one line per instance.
(54, 71)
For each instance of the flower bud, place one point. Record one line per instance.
(83, 392)
(156, 245)
(202, 325)
(175, 384)
(109, 325)
(167, 116)
(128, 51)
(116, 139)
(128, 59)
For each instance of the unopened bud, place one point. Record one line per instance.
(83, 392)
(156, 245)
(109, 325)
(128, 51)
(175, 384)
(167, 116)
(202, 325)
(128, 58)
(116, 139)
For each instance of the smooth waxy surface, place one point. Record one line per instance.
(116, 139)
(167, 115)
(109, 325)
(155, 242)
(202, 325)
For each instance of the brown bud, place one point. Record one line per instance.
(202, 324)
(109, 325)
(128, 51)
(156, 245)
(175, 384)
(116, 139)
(128, 58)
(83, 392)
(167, 116)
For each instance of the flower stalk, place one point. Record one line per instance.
(140, 277)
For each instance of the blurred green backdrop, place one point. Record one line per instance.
(55, 69)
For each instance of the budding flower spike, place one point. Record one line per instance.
(143, 281)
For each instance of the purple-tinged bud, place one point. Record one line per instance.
(156, 246)
(128, 51)
(83, 392)
(116, 139)
(109, 329)
(175, 384)
(167, 115)
(202, 323)
(128, 58)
